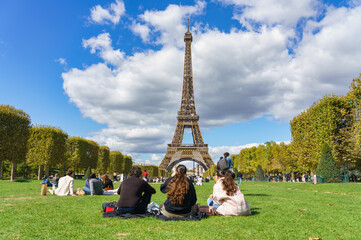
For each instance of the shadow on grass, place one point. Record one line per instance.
(257, 195)
(254, 211)
(21, 180)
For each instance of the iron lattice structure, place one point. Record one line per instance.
(187, 118)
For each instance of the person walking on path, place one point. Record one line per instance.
(239, 176)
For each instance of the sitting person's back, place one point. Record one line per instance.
(135, 193)
(55, 181)
(107, 183)
(65, 185)
(46, 181)
(181, 201)
(227, 198)
(95, 186)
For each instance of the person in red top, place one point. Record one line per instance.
(145, 175)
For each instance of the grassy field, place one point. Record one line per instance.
(280, 211)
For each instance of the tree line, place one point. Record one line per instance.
(29, 148)
(333, 120)
(154, 171)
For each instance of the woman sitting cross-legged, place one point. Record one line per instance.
(227, 199)
(181, 201)
(135, 193)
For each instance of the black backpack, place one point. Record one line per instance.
(223, 164)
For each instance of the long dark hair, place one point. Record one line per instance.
(228, 182)
(178, 187)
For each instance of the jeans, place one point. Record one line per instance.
(140, 208)
(239, 181)
(86, 190)
(211, 203)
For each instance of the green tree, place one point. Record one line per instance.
(14, 134)
(259, 174)
(87, 172)
(323, 122)
(46, 146)
(127, 164)
(327, 165)
(352, 155)
(116, 162)
(92, 151)
(103, 159)
(76, 155)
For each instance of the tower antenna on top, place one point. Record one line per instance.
(188, 25)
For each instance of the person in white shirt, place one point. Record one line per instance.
(65, 185)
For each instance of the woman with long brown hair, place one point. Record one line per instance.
(227, 198)
(107, 183)
(181, 201)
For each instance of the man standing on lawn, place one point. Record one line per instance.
(145, 175)
(239, 176)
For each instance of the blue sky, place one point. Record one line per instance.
(111, 71)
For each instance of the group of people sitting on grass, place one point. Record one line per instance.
(226, 199)
(135, 193)
(93, 185)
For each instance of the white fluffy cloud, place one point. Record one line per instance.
(103, 44)
(238, 76)
(167, 24)
(270, 12)
(111, 14)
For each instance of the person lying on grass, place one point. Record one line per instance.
(135, 194)
(227, 198)
(181, 201)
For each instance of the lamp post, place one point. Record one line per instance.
(267, 160)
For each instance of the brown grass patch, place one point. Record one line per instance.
(123, 234)
(19, 198)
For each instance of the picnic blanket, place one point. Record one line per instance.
(194, 217)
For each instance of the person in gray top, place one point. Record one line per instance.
(95, 185)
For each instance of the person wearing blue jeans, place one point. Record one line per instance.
(211, 203)
(93, 186)
(239, 176)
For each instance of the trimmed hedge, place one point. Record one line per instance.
(103, 159)
(116, 162)
(14, 135)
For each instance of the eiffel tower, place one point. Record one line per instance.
(187, 118)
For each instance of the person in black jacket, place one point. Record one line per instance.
(135, 193)
(107, 183)
(181, 201)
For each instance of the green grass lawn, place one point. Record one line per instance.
(279, 211)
